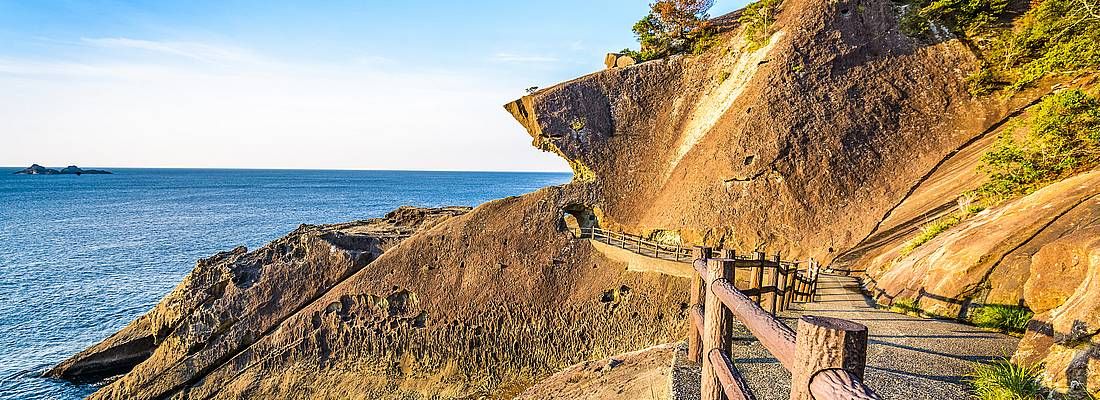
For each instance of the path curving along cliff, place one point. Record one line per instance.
(798, 147)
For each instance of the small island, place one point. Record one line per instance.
(36, 169)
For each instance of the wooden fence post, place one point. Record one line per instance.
(731, 255)
(822, 344)
(813, 281)
(768, 302)
(716, 329)
(792, 272)
(756, 275)
(781, 284)
(698, 295)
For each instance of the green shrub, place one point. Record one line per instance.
(1007, 318)
(757, 18)
(913, 23)
(1063, 138)
(673, 27)
(1051, 37)
(966, 18)
(904, 306)
(1054, 36)
(968, 205)
(1004, 380)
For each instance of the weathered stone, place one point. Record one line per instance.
(819, 142)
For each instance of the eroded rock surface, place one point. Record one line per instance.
(260, 288)
(815, 144)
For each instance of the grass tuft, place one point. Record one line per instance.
(905, 306)
(1004, 380)
(930, 231)
(1007, 318)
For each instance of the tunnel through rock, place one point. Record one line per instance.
(578, 216)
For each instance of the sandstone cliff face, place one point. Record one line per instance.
(1033, 252)
(809, 145)
(801, 146)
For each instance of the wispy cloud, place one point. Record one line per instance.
(163, 109)
(523, 58)
(204, 52)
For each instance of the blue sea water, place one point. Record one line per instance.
(81, 256)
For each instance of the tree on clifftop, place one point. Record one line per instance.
(673, 27)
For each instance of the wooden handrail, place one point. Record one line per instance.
(826, 357)
(733, 383)
(840, 384)
(637, 241)
(773, 334)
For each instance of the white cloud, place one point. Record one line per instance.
(522, 58)
(99, 111)
(197, 51)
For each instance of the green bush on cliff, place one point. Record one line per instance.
(1063, 138)
(1004, 380)
(967, 18)
(757, 18)
(1051, 37)
(1006, 318)
(961, 17)
(1054, 36)
(673, 27)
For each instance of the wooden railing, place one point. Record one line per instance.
(637, 244)
(826, 357)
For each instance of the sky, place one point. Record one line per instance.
(396, 85)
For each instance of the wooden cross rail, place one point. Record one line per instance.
(646, 247)
(826, 356)
(637, 244)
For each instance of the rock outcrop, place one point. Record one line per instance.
(259, 287)
(819, 143)
(1033, 252)
(36, 169)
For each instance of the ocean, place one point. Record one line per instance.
(81, 256)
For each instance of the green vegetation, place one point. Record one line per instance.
(905, 306)
(1062, 139)
(967, 208)
(930, 231)
(1054, 36)
(1006, 318)
(757, 19)
(967, 18)
(577, 124)
(673, 27)
(722, 76)
(1004, 380)
(1051, 37)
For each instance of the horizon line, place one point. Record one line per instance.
(311, 169)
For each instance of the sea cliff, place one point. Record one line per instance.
(833, 140)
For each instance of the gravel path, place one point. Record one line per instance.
(909, 358)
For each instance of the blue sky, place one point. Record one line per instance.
(278, 84)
